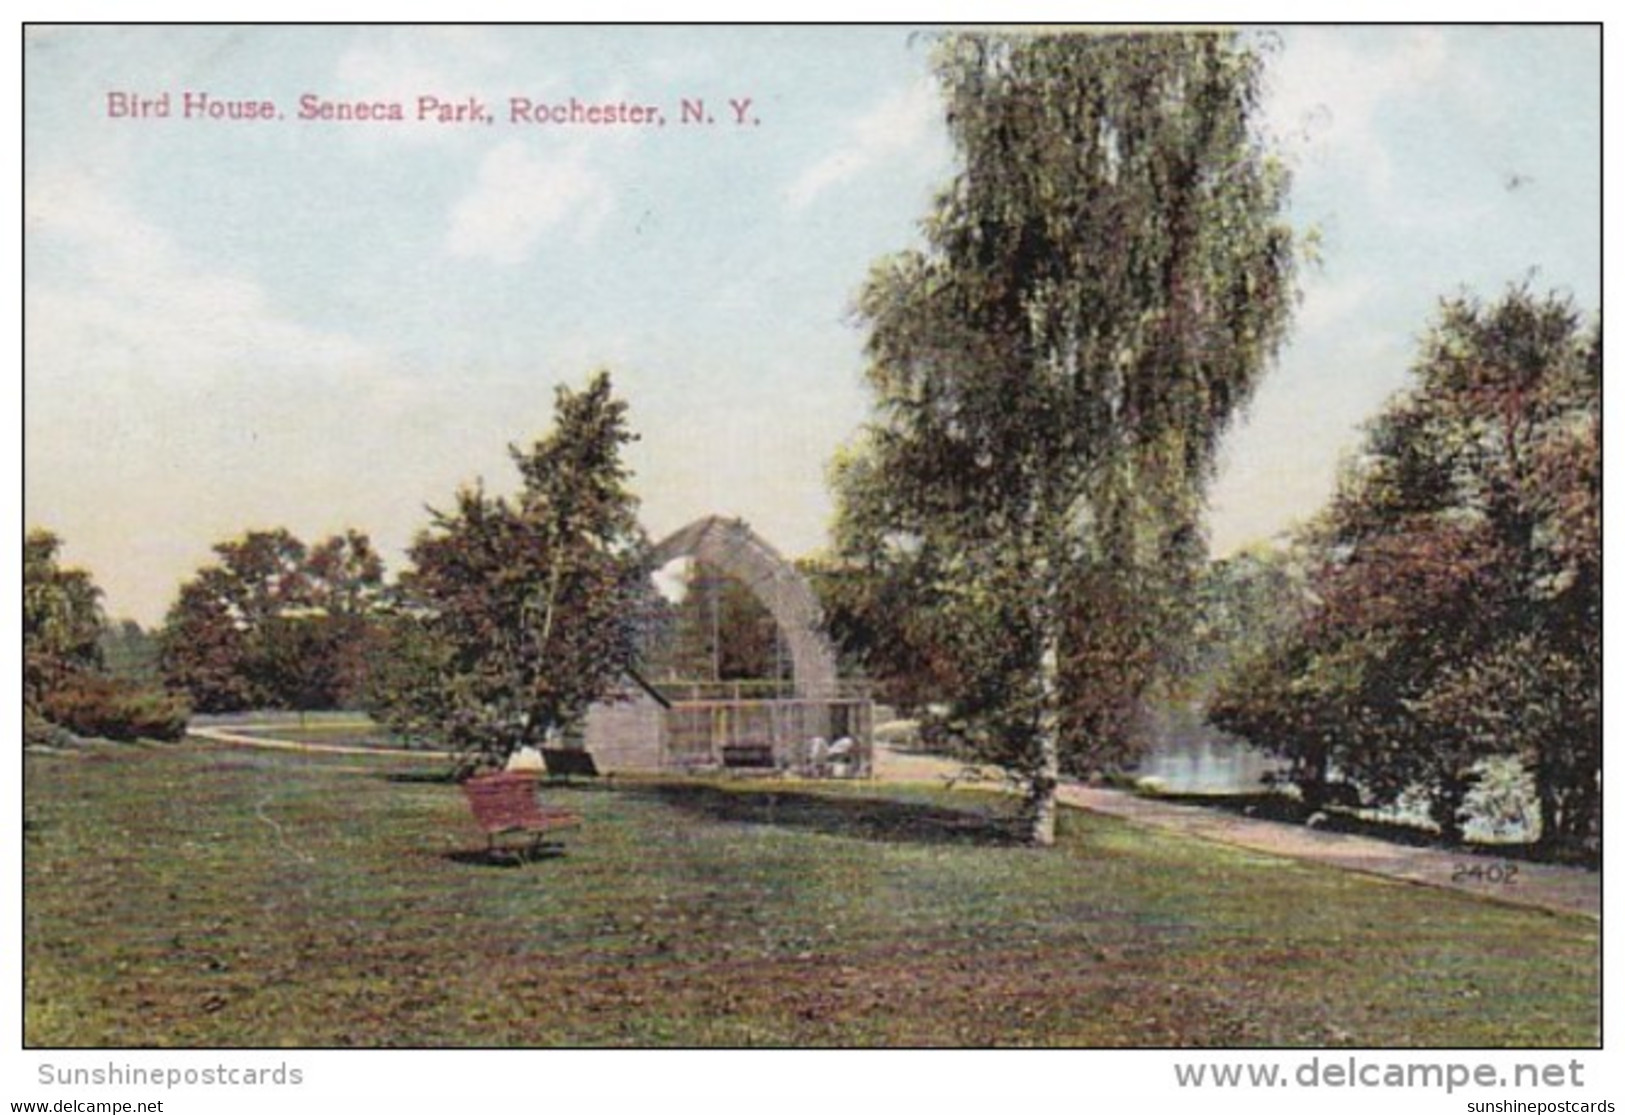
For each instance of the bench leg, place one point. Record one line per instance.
(491, 849)
(520, 852)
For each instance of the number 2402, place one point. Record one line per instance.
(1479, 873)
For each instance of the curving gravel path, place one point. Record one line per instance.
(1569, 890)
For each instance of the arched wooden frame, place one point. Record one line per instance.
(733, 548)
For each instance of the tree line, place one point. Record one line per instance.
(68, 686)
(1449, 611)
(1019, 540)
(512, 615)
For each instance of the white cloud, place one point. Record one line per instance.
(170, 402)
(902, 124)
(1328, 89)
(520, 195)
(137, 302)
(1328, 303)
(405, 61)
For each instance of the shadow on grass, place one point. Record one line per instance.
(578, 785)
(422, 777)
(503, 857)
(881, 819)
(449, 778)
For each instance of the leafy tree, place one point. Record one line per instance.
(1396, 613)
(1246, 603)
(888, 624)
(305, 661)
(1458, 578)
(130, 651)
(344, 576)
(517, 613)
(1105, 280)
(407, 682)
(204, 646)
(210, 636)
(64, 683)
(275, 622)
(265, 575)
(62, 619)
(718, 631)
(347, 597)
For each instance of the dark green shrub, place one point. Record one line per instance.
(112, 708)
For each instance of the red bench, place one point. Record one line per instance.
(506, 802)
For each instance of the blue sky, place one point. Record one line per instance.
(326, 325)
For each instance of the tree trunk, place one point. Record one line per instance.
(1312, 780)
(1041, 803)
(1546, 791)
(1448, 806)
(1046, 777)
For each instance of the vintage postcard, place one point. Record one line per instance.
(812, 537)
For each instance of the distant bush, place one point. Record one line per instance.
(111, 708)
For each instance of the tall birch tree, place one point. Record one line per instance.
(1103, 283)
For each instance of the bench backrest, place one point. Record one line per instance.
(503, 801)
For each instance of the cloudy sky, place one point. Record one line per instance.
(322, 324)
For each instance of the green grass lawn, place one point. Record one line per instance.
(209, 896)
